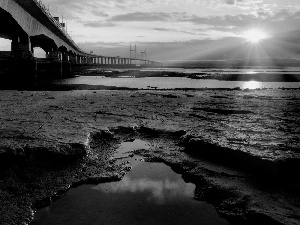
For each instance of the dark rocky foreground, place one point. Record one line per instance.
(241, 149)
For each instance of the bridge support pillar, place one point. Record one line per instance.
(53, 55)
(21, 47)
(22, 65)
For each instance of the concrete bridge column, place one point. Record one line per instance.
(72, 58)
(21, 47)
(65, 57)
(53, 55)
(23, 66)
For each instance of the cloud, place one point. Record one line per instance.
(97, 24)
(141, 16)
(192, 31)
(100, 13)
(282, 20)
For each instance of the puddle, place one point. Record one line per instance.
(151, 193)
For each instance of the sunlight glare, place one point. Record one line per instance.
(252, 85)
(254, 35)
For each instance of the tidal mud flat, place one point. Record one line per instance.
(240, 148)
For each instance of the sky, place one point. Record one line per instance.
(180, 29)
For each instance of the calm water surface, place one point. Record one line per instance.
(151, 193)
(174, 82)
(184, 82)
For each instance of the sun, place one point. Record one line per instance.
(255, 35)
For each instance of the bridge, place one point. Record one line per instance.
(28, 24)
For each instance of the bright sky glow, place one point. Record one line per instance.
(255, 35)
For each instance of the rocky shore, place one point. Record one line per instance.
(240, 148)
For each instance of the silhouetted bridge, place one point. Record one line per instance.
(28, 24)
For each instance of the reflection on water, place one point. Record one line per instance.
(157, 181)
(253, 85)
(151, 193)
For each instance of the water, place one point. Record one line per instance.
(174, 82)
(288, 70)
(184, 82)
(151, 193)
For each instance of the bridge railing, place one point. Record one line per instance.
(54, 21)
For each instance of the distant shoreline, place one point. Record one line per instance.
(261, 77)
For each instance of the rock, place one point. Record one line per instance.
(98, 138)
(59, 154)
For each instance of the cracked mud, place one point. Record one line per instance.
(240, 148)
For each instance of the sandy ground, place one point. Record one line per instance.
(239, 147)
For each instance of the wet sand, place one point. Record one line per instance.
(240, 148)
